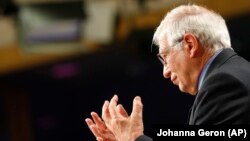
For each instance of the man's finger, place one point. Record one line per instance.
(105, 111)
(137, 108)
(112, 107)
(92, 127)
(122, 111)
(99, 139)
(89, 122)
(98, 121)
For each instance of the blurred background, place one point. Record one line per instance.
(60, 59)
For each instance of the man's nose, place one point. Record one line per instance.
(166, 72)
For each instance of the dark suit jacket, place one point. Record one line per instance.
(224, 97)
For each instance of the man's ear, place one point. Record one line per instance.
(192, 45)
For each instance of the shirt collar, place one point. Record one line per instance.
(204, 70)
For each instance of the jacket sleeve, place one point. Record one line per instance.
(144, 138)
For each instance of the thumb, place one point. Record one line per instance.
(137, 108)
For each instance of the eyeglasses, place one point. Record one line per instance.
(163, 59)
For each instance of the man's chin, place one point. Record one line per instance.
(184, 90)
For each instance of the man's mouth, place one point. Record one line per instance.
(173, 79)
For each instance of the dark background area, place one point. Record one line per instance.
(59, 103)
(51, 102)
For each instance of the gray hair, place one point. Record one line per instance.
(209, 27)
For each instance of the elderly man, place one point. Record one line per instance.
(195, 50)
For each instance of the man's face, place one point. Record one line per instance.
(177, 66)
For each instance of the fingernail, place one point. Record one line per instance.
(115, 97)
(106, 102)
(137, 98)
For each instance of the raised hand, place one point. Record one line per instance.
(99, 129)
(123, 127)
